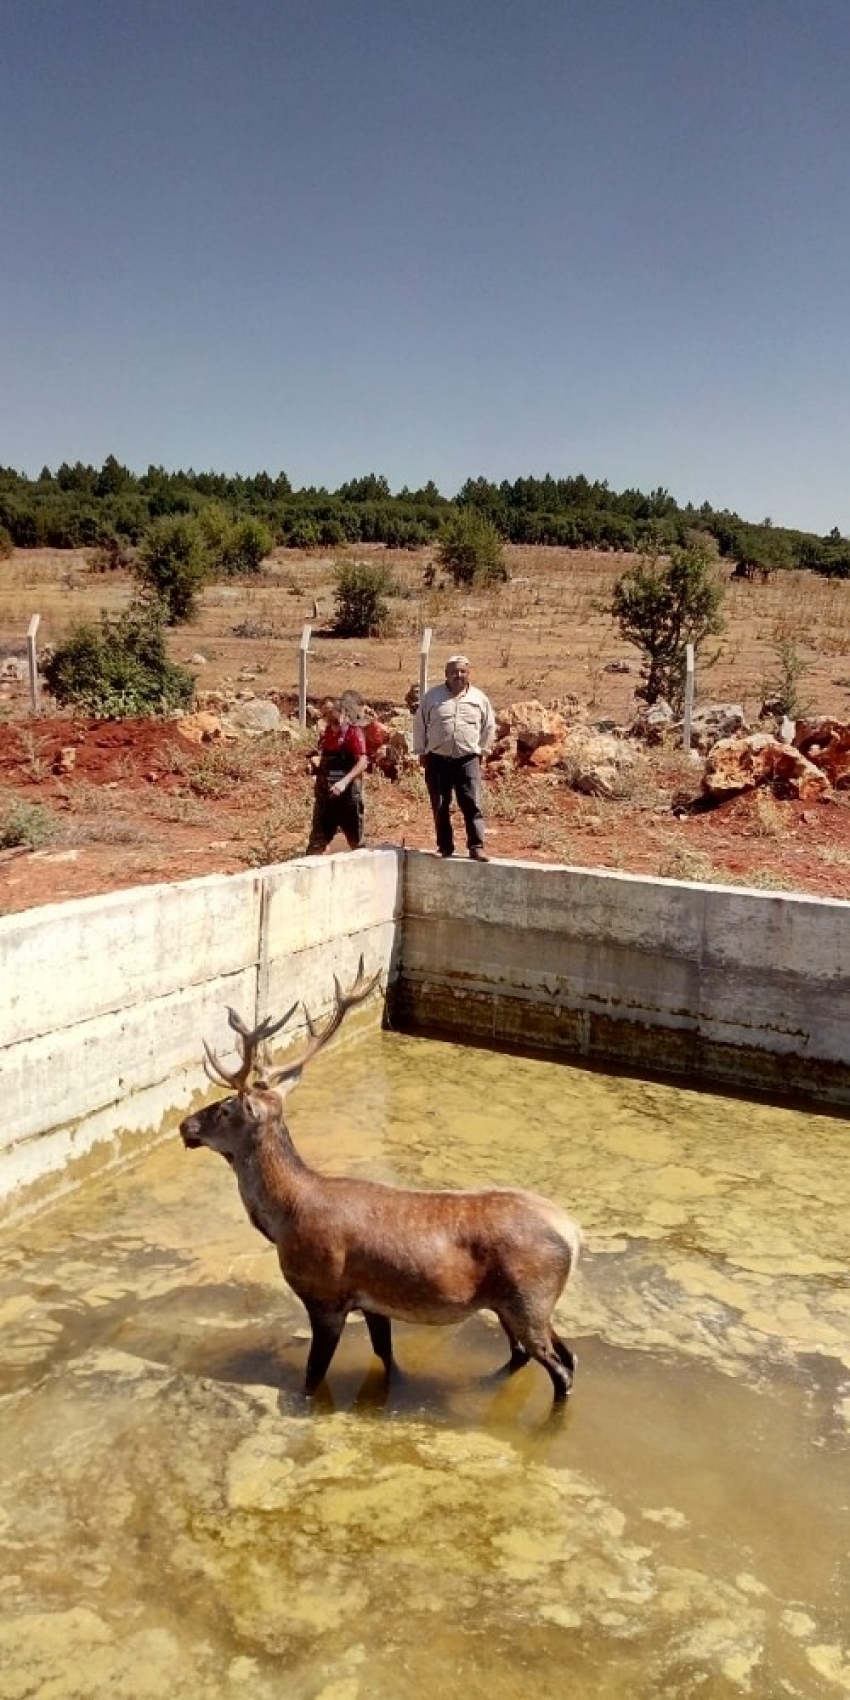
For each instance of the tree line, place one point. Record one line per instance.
(112, 508)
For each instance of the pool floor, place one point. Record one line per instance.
(175, 1517)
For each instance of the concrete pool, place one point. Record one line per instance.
(175, 1517)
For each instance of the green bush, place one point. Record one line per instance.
(26, 824)
(6, 544)
(661, 605)
(233, 547)
(248, 543)
(471, 549)
(119, 667)
(362, 588)
(174, 563)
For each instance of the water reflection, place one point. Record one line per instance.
(175, 1518)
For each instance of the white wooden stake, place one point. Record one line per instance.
(303, 652)
(689, 695)
(32, 659)
(424, 652)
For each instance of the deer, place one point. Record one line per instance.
(390, 1252)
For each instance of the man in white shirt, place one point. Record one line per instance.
(454, 726)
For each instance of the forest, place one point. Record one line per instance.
(110, 507)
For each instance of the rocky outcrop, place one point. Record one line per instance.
(742, 764)
(254, 717)
(716, 720)
(826, 743)
(526, 729)
(597, 763)
(204, 727)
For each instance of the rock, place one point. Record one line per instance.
(596, 763)
(65, 760)
(201, 728)
(714, 721)
(826, 743)
(652, 723)
(617, 667)
(742, 764)
(394, 757)
(255, 717)
(197, 660)
(529, 725)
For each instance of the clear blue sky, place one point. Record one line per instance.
(433, 239)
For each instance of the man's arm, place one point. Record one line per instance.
(420, 732)
(488, 726)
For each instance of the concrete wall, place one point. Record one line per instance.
(105, 1002)
(745, 987)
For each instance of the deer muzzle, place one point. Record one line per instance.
(189, 1133)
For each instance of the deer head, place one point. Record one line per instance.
(231, 1125)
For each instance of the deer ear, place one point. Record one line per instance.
(256, 1103)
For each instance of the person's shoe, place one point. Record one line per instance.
(446, 852)
(478, 856)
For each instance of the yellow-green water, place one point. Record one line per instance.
(176, 1519)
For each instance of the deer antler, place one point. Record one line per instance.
(250, 1040)
(358, 993)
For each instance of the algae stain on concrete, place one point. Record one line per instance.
(175, 1518)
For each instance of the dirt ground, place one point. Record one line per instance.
(136, 802)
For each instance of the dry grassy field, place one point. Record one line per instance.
(141, 804)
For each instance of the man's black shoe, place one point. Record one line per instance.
(478, 856)
(446, 852)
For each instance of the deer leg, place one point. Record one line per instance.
(519, 1356)
(327, 1327)
(380, 1334)
(568, 1358)
(532, 1338)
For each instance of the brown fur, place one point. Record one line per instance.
(431, 1257)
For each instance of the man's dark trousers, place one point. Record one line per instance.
(458, 776)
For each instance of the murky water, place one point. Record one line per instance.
(174, 1517)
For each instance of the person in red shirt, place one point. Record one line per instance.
(338, 801)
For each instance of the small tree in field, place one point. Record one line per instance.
(173, 564)
(661, 605)
(362, 588)
(471, 549)
(233, 548)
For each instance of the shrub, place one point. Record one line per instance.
(6, 544)
(471, 549)
(661, 605)
(112, 555)
(783, 686)
(362, 588)
(119, 667)
(26, 824)
(233, 547)
(174, 563)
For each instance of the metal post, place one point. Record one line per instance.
(303, 652)
(424, 651)
(32, 659)
(689, 695)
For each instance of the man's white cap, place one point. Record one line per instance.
(458, 661)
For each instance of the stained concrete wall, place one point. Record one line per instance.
(745, 987)
(104, 1003)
